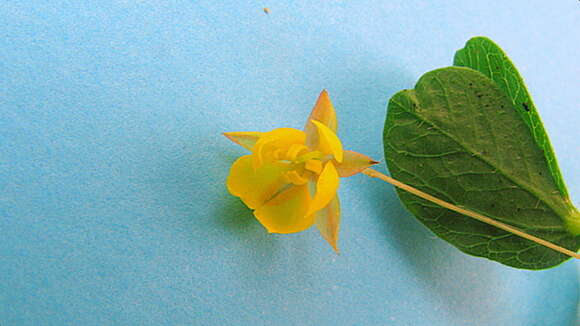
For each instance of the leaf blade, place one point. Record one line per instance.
(455, 136)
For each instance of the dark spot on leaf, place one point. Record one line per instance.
(525, 106)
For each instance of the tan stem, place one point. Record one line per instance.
(479, 217)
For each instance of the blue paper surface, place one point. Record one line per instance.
(113, 208)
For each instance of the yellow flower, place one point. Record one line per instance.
(291, 177)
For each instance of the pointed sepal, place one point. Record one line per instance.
(353, 163)
(246, 139)
(327, 221)
(323, 111)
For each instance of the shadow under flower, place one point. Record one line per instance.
(259, 249)
(234, 216)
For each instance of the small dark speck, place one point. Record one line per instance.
(540, 173)
(525, 106)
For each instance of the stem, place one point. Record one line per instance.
(375, 174)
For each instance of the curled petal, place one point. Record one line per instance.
(295, 150)
(326, 188)
(323, 111)
(245, 139)
(313, 166)
(353, 163)
(255, 186)
(328, 142)
(273, 140)
(287, 212)
(295, 178)
(328, 222)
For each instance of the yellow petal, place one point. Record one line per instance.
(323, 111)
(287, 212)
(255, 186)
(328, 222)
(295, 178)
(326, 188)
(353, 163)
(328, 142)
(245, 139)
(270, 141)
(295, 150)
(313, 166)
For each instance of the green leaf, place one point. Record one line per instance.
(481, 54)
(459, 137)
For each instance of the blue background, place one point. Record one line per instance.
(113, 209)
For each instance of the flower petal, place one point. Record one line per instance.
(353, 163)
(275, 139)
(313, 166)
(323, 111)
(287, 212)
(246, 139)
(328, 222)
(255, 186)
(328, 142)
(326, 188)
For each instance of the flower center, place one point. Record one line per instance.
(304, 163)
